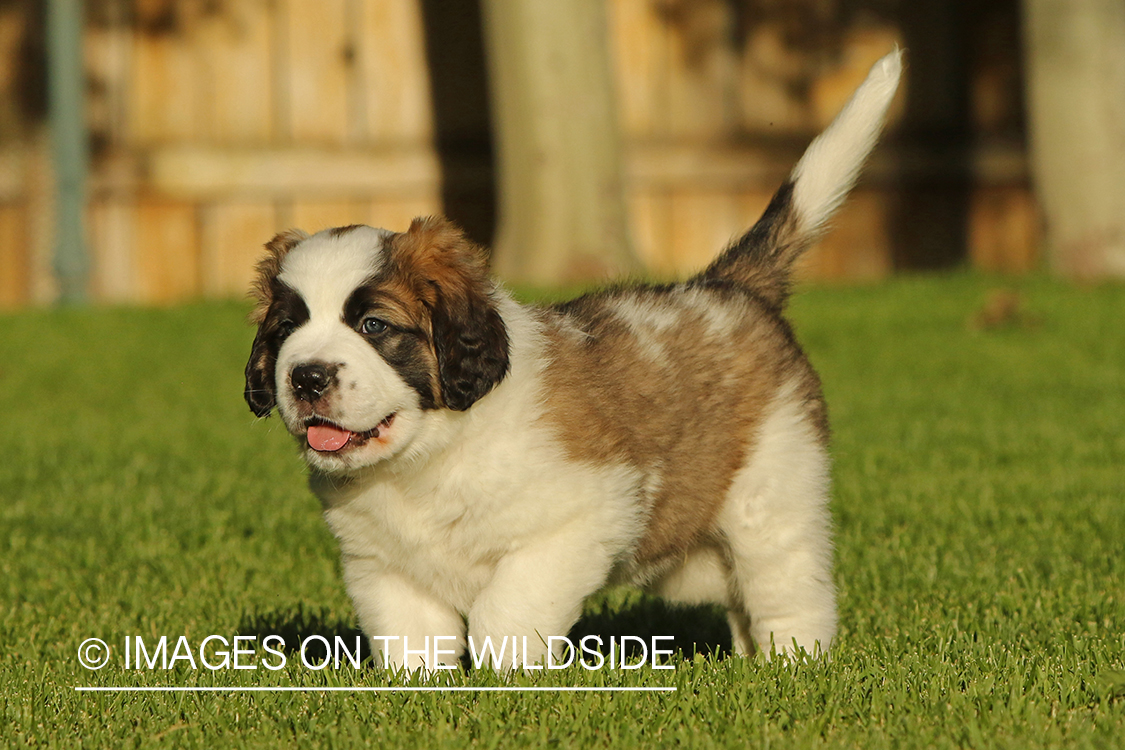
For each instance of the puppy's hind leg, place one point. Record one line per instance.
(778, 533)
(704, 577)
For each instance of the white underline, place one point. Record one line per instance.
(389, 689)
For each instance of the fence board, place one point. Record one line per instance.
(703, 222)
(13, 173)
(857, 245)
(639, 45)
(317, 70)
(232, 237)
(235, 48)
(767, 84)
(168, 94)
(650, 225)
(166, 260)
(396, 215)
(108, 54)
(39, 202)
(211, 173)
(1004, 229)
(392, 63)
(112, 233)
(699, 79)
(15, 260)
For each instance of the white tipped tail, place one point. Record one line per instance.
(831, 164)
(762, 258)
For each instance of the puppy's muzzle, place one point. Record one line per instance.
(311, 381)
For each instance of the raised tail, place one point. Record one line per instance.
(762, 259)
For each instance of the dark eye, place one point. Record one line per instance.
(372, 326)
(286, 327)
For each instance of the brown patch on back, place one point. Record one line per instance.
(268, 268)
(687, 419)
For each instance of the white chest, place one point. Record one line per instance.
(448, 524)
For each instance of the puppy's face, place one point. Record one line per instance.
(364, 336)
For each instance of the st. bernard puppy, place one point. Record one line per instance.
(495, 464)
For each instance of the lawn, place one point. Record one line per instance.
(979, 499)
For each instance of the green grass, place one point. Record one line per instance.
(979, 498)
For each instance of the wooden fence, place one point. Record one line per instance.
(216, 124)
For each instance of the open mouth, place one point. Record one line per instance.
(325, 437)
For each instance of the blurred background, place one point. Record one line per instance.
(148, 148)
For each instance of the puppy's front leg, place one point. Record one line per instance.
(408, 626)
(537, 592)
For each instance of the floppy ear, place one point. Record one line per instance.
(471, 344)
(449, 274)
(261, 393)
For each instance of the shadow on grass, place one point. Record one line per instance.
(694, 630)
(297, 626)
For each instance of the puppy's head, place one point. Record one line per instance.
(364, 336)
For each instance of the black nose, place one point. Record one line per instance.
(311, 381)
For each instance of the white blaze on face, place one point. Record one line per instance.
(370, 411)
(326, 269)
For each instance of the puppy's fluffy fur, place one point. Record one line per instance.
(481, 459)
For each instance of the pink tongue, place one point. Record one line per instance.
(324, 437)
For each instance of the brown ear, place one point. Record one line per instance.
(469, 336)
(260, 391)
(261, 291)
